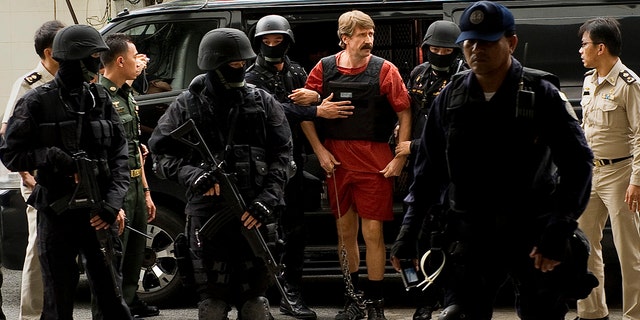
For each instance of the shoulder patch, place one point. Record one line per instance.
(32, 78)
(627, 77)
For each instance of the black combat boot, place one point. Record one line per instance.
(375, 310)
(140, 309)
(423, 313)
(298, 309)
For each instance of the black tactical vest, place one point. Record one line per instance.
(373, 118)
(58, 124)
(237, 136)
(469, 133)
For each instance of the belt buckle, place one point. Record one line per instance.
(136, 172)
(600, 162)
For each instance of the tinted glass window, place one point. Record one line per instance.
(172, 48)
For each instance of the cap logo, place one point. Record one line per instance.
(476, 17)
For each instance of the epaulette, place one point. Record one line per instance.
(590, 72)
(32, 78)
(627, 77)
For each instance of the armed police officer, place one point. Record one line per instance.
(426, 81)
(505, 144)
(53, 126)
(246, 128)
(284, 79)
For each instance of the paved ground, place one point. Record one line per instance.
(398, 311)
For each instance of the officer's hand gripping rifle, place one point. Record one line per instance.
(87, 195)
(234, 200)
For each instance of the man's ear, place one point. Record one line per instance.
(602, 47)
(120, 61)
(513, 42)
(48, 52)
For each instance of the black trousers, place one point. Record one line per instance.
(292, 227)
(60, 239)
(224, 265)
(484, 256)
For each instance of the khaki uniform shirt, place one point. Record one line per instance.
(35, 78)
(611, 115)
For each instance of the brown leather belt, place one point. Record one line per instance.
(604, 162)
(136, 172)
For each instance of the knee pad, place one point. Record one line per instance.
(213, 309)
(256, 308)
(452, 312)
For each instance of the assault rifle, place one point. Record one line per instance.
(87, 195)
(236, 205)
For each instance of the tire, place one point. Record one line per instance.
(159, 282)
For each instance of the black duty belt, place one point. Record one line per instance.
(604, 162)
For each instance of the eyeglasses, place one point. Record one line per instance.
(584, 44)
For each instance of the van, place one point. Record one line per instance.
(169, 34)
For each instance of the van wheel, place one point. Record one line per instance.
(159, 280)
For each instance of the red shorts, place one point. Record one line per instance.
(370, 194)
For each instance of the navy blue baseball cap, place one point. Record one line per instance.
(485, 20)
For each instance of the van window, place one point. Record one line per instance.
(172, 49)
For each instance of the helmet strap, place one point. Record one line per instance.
(229, 77)
(90, 67)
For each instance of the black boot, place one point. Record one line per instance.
(298, 309)
(422, 313)
(375, 310)
(140, 309)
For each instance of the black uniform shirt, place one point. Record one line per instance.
(38, 123)
(496, 165)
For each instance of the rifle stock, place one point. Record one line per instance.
(237, 205)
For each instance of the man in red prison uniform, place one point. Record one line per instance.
(355, 153)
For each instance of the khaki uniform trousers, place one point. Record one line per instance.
(610, 183)
(32, 291)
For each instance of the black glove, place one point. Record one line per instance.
(203, 182)
(554, 242)
(107, 213)
(61, 161)
(405, 246)
(572, 278)
(259, 211)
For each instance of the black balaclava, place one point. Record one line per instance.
(225, 97)
(75, 72)
(441, 62)
(227, 77)
(90, 68)
(226, 85)
(275, 54)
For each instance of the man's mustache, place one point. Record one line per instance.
(367, 46)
